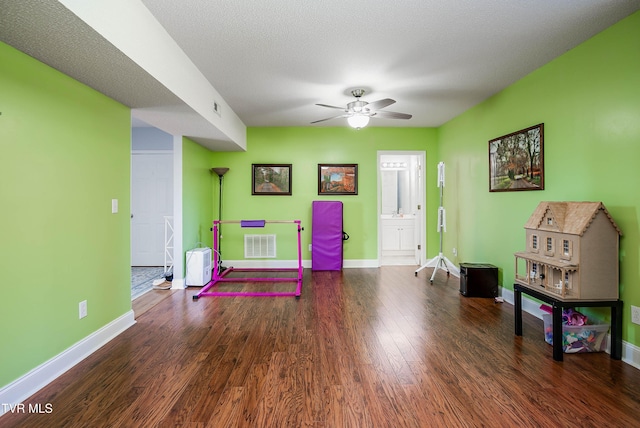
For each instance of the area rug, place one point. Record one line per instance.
(142, 278)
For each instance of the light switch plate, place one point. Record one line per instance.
(82, 309)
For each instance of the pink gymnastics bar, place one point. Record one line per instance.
(217, 277)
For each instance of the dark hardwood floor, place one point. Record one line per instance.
(360, 348)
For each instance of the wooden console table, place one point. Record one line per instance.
(558, 305)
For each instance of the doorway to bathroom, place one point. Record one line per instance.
(401, 201)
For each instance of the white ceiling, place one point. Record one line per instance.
(272, 61)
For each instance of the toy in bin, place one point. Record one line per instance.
(577, 334)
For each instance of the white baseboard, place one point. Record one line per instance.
(630, 352)
(24, 387)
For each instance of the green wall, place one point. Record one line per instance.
(589, 102)
(197, 196)
(305, 148)
(65, 155)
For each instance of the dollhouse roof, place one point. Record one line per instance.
(569, 217)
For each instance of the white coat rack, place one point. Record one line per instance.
(440, 261)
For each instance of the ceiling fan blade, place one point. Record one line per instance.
(329, 118)
(391, 115)
(376, 105)
(328, 106)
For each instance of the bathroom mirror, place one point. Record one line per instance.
(396, 192)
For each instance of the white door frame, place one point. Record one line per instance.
(421, 234)
(178, 262)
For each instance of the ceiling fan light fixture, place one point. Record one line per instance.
(359, 112)
(358, 121)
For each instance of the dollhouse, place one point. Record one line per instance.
(571, 252)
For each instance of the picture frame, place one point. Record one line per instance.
(337, 179)
(271, 179)
(516, 161)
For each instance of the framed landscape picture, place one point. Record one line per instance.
(337, 179)
(271, 179)
(516, 161)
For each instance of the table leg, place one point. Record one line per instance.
(616, 331)
(517, 305)
(557, 332)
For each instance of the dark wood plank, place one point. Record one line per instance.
(148, 300)
(361, 347)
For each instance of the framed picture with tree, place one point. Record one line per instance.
(271, 179)
(516, 161)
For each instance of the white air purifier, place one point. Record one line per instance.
(198, 267)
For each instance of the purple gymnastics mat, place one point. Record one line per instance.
(326, 235)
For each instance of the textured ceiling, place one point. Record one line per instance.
(47, 31)
(272, 61)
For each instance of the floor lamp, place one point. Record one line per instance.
(220, 172)
(440, 261)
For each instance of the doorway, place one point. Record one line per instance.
(401, 201)
(153, 200)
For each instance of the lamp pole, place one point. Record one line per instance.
(220, 172)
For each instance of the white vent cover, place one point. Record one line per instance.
(259, 246)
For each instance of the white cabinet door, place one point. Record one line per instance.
(407, 237)
(398, 235)
(390, 237)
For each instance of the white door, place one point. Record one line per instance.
(151, 201)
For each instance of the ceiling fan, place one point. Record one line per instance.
(359, 112)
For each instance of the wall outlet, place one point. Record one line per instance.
(114, 206)
(82, 309)
(455, 252)
(635, 314)
(309, 247)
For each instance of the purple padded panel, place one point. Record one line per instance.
(326, 235)
(252, 223)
